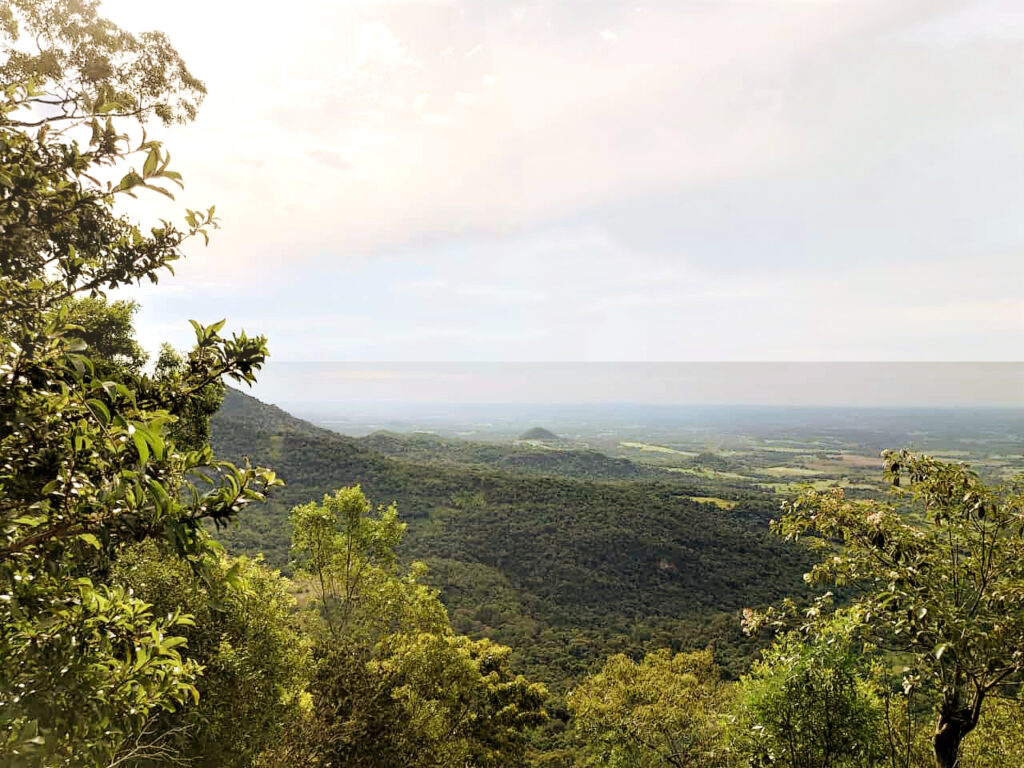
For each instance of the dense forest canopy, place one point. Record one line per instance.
(444, 604)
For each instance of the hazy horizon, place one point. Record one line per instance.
(837, 384)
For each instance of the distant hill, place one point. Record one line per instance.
(239, 407)
(538, 433)
(540, 561)
(582, 464)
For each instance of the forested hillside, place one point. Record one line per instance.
(561, 568)
(565, 462)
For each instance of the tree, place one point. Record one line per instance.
(457, 700)
(87, 464)
(88, 66)
(108, 333)
(191, 428)
(391, 683)
(938, 577)
(107, 330)
(666, 710)
(810, 701)
(255, 662)
(349, 554)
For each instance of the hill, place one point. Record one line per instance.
(563, 569)
(538, 433)
(583, 464)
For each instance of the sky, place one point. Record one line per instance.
(475, 180)
(324, 387)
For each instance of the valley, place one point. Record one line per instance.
(616, 531)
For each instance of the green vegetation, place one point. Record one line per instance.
(945, 585)
(810, 701)
(465, 522)
(520, 457)
(562, 569)
(88, 464)
(252, 655)
(127, 636)
(145, 620)
(655, 448)
(391, 683)
(720, 503)
(663, 710)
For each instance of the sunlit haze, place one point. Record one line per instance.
(470, 181)
(310, 385)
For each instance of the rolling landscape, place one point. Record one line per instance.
(646, 386)
(536, 547)
(613, 536)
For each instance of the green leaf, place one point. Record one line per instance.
(141, 445)
(99, 410)
(161, 190)
(129, 180)
(90, 539)
(159, 494)
(152, 159)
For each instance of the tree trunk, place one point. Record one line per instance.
(954, 724)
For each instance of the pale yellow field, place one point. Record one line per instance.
(656, 448)
(788, 472)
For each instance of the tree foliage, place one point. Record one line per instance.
(999, 740)
(566, 571)
(391, 683)
(938, 577)
(87, 66)
(810, 702)
(87, 462)
(254, 660)
(107, 330)
(666, 710)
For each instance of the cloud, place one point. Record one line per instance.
(329, 158)
(599, 180)
(689, 94)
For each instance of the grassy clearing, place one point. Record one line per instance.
(824, 484)
(656, 448)
(708, 473)
(720, 503)
(795, 488)
(538, 444)
(857, 460)
(789, 472)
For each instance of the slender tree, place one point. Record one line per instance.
(938, 576)
(392, 684)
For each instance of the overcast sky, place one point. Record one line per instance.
(706, 180)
